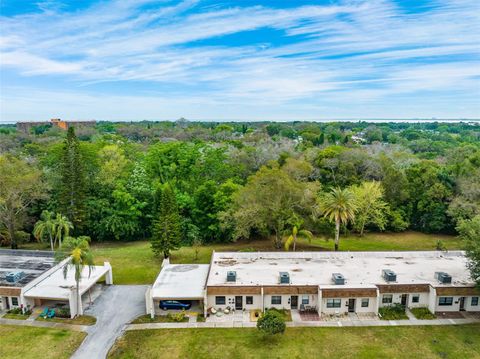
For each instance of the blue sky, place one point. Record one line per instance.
(239, 60)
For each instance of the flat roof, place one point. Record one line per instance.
(181, 281)
(32, 263)
(360, 269)
(56, 286)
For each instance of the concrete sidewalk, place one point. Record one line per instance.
(36, 323)
(350, 323)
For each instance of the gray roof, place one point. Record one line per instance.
(31, 263)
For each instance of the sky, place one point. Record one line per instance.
(239, 60)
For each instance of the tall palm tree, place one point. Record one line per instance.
(63, 227)
(46, 227)
(338, 205)
(297, 232)
(81, 256)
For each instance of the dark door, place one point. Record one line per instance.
(239, 303)
(294, 302)
(462, 303)
(404, 299)
(351, 305)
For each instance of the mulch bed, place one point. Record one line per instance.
(309, 316)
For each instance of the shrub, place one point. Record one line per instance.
(422, 313)
(62, 313)
(393, 312)
(272, 322)
(177, 317)
(15, 311)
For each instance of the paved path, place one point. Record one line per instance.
(117, 306)
(37, 323)
(341, 323)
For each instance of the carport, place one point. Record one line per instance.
(55, 288)
(182, 282)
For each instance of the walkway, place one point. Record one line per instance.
(117, 306)
(344, 323)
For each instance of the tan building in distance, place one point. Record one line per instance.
(64, 125)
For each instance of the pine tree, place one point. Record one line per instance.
(166, 233)
(72, 186)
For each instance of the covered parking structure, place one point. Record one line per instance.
(57, 288)
(181, 282)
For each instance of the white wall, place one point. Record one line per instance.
(469, 307)
(230, 301)
(312, 301)
(372, 306)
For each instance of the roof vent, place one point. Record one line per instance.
(231, 276)
(14, 277)
(389, 275)
(338, 278)
(443, 277)
(284, 278)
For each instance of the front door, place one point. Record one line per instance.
(462, 303)
(294, 302)
(404, 299)
(239, 303)
(351, 305)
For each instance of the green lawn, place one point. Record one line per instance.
(368, 342)
(16, 316)
(46, 343)
(134, 263)
(80, 320)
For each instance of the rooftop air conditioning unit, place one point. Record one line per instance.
(338, 278)
(443, 277)
(284, 278)
(231, 276)
(389, 275)
(14, 277)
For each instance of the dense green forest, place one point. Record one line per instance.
(217, 182)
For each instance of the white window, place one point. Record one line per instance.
(387, 299)
(305, 299)
(334, 303)
(365, 303)
(474, 301)
(249, 300)
(15, 301)
(276, 299)
(220, 300)
(416, 298)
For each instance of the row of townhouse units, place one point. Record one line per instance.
(325, 282)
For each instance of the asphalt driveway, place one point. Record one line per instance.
(116, 306)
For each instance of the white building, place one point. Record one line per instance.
(33, 279)
(331, 282)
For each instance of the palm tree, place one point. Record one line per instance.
(63, 227)
(81, 256)
(339, 205)
(297, 232)
(46, 226)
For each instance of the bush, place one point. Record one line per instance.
(62, 313)
(15, 311)
(177, 317)
(393, 312)
(422, 313)
(272, 322)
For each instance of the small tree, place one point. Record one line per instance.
(45, 228)
(62, 228)
(297, 232)
(197, 244)
(167, 228)
(81, 256)
(469, 231)
(271, 323)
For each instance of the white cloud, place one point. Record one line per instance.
(351, 51)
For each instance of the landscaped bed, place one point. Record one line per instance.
(80, 320)
(158, 319)
(18, 342)
(16, 316)
(422, 313)
(393, 312)
(461, 341)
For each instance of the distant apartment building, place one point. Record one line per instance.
(64, 125)
(329, 283)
